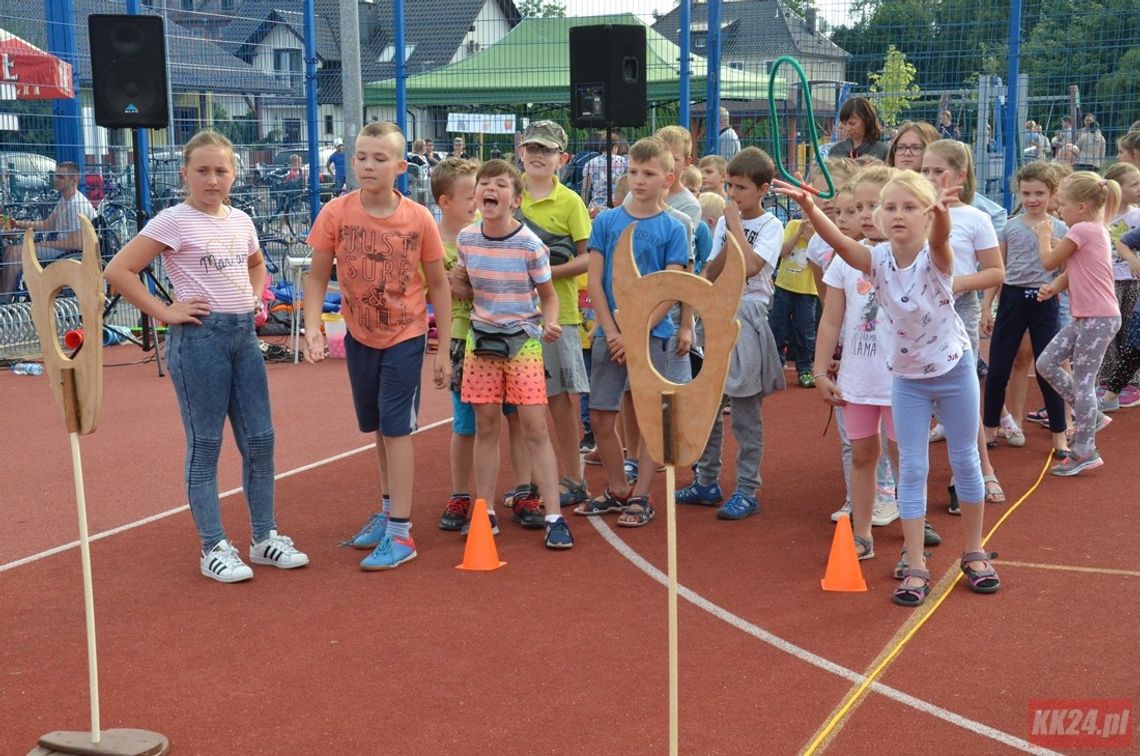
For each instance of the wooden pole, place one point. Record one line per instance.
(71, 418)
(669, 449)
(676, 437)
(77, 383)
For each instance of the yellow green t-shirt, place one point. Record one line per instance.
(460, 308)
(563, 213)
(794, 274)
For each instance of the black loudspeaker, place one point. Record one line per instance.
(607, 76)
(128, 71)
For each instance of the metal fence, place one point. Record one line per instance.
(1016, 79)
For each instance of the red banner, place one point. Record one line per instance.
(32, 73)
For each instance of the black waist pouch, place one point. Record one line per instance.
(496, 344)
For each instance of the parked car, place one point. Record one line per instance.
(25, 173)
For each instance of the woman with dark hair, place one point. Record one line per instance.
(905, 150)
(861, 130)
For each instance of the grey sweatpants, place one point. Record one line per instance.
(1083, 341)
(748, 428)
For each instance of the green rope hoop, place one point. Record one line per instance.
(777, 150)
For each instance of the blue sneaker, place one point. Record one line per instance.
(558, 535)
(738, 507)
(695, 493)
(371, 533)
(631, 470)
(389, 554)
(494, 525)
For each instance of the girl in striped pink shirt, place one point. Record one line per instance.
(210, 252)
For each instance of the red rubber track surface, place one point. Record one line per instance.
(556, 652)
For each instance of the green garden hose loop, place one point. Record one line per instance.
(777, 153)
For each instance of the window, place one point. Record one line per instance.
(699, 40)
(287, 66)
(388, 54)
(186, 5)
(329, 124)
(229, 5)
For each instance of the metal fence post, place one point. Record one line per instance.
(712, 84)
(67, 123)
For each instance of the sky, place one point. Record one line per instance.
(835, 11)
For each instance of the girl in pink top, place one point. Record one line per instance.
(1086, 252)
(212, 255)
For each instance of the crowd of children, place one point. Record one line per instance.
(519, 274)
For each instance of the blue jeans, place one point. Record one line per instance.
(218, 371)
(792, 320)
(913, 400)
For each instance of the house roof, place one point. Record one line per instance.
(437, 31)
(493, 76)
(194, 64)
(755, 29)
(255, 18)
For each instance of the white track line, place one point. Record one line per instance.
(642, 564)
(807, 656)
(162, 515)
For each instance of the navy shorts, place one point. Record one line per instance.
(386, 384)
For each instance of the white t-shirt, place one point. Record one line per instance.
(819, 252)
(206, 256)
(863, 374)
(971, 230)
(927, 336)
(766, 234)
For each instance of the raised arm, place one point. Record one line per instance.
(940, 250)
(856, 254)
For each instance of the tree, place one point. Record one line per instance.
(896, 82)
(541, 9)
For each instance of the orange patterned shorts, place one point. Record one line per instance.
(518, 380)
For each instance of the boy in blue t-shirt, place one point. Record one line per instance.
(660, 242)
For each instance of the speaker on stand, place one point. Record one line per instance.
(128, 74)
(608, 85)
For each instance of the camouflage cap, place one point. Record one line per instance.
(547, 133)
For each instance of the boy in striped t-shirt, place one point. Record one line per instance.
(505, 267)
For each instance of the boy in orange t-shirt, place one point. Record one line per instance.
(381, 240)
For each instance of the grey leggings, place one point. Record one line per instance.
(1083, 341)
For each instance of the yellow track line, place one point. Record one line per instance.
(859, 692)
(1073, 568)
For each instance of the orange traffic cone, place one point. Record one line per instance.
(843, 573)
(480, 553)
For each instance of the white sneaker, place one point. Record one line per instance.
(937, 433)
(222, 563)
(277, 550)
(844, 510)
(885, 512)
(1012, 431)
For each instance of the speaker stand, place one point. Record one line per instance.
(609, 166)
(149, 332)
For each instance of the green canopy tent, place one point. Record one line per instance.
(531, 64)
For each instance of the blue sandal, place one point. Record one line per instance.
(639, 517)
(601, 505)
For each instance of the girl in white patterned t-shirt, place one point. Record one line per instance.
(211, 253)
(928, 353)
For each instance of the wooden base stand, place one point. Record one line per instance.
(118, 742)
